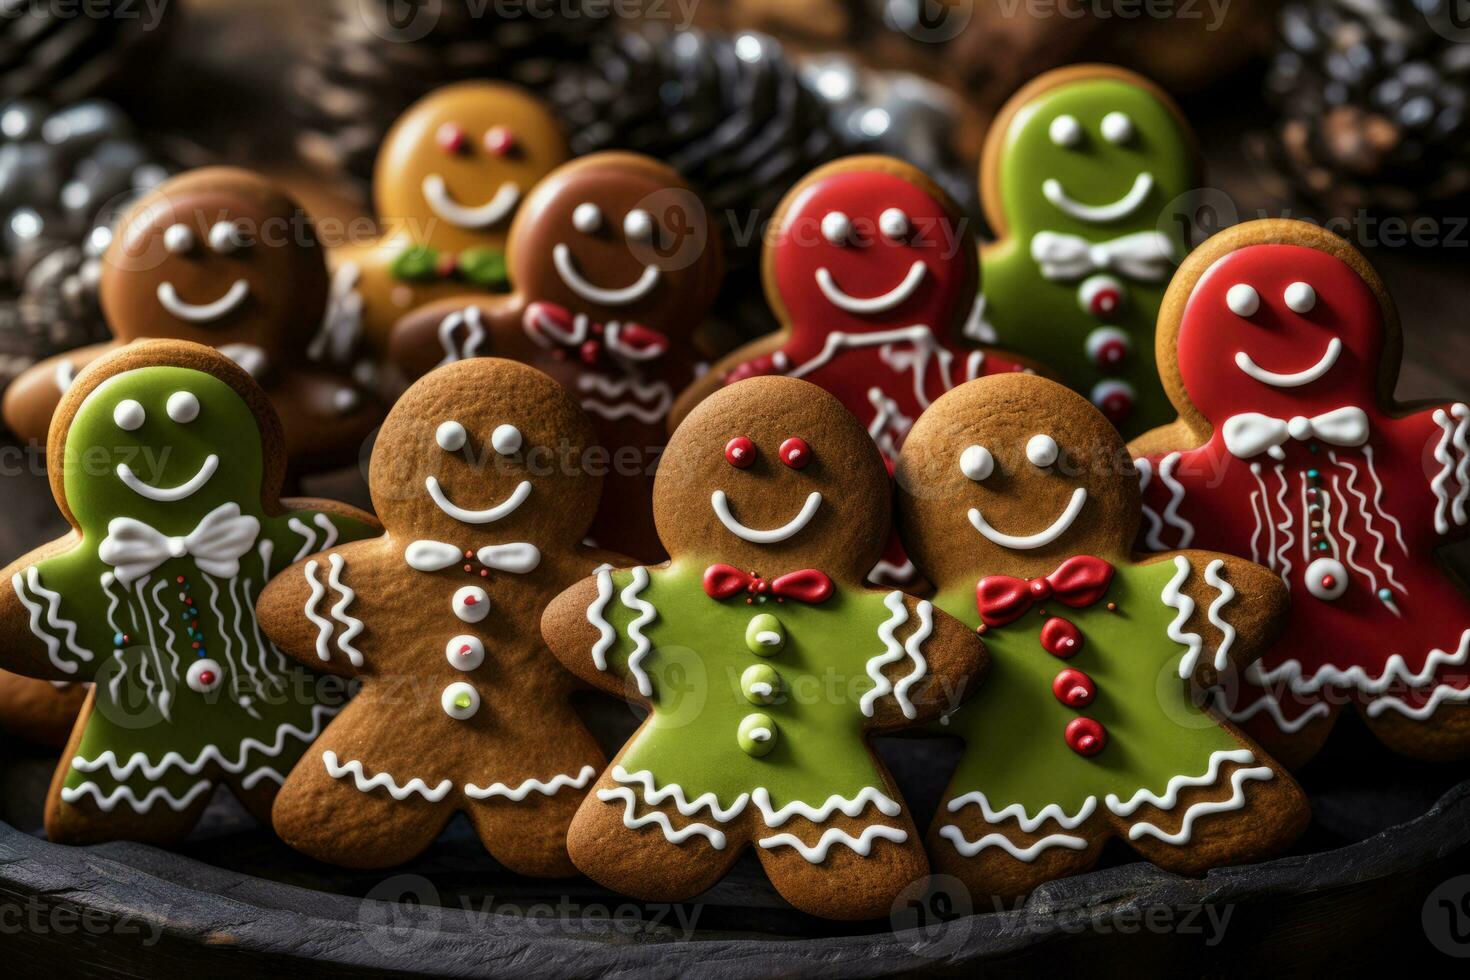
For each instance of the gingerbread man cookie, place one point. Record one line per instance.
(222, 257)
(1016, 500)
(870, 269)
(461, 707)
(1079, 176)
(1280, 348)
(451, 173)
(614, 265)
(167, 461)
(766, 664)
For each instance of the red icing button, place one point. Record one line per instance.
(450, 138)
(1085, 736)
(795, 453)
(740, 452)
(206, 677)
(1074, 688)
(499, 140)
(1060, 638)
(1102, 296)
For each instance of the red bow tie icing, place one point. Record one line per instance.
(1077, 582)
(807, 585)
(556, 326)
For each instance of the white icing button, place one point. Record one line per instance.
(1117, 128)
(450, 436)
(1243, 300)
(204, 676)
(1065, 131)
(178, 239)
(977, 463)
(460, 701)
(638, 225)
(471, 604)
(893, 223)
(836, 228)
(183, 406)
(1327, 579)
(1042, 451)
(587, 218)
(128, 415)
(506, 439)
(465, 652)
(1300, 297)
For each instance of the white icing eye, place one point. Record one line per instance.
(587, 218)
(1065, 131)
(977, 463)
(1300, 297)
(450, 436)
(128, 415)
(1243, 300)
(183, 406)
(894, 223)
(178, 239)
(638, 226)
(506, 439)
(836, 228)
(1042, 451)
(1117, 128)
(224, 237)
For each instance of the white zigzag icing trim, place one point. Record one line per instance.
(969, 848)
(125, 793)
(641, 646)
(894, 652)
(353, 625)
(1154, 540)
(384, 780)
(1170, 799)
(715, 837)
(1186, 829)
(1176, 599)
(653, 796)
(548, 788)
(32, 579)
(1167, 467)
(1017, 812)
(1395, 669)
(1442, 693)
(851, 806)
(264, 772)
(817, 853)
(595, 616)
(1268, 704)
(1214, 577)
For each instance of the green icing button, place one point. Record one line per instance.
(757, 735)
(760, 683)
(765, 635)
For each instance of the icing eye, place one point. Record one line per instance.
(1042, 451)
(894, 223)
(1117, 128)
(500, 141)
(977, 463)
(506, 439)
(1300, 297)
(836, 227)
(128, 415)
(178, 239)
(224, 237)
(1065, 132)
(1243, 300)
(638, 226)
(587, 218)
(795, 453)
(450, 138)
(740, 452)
(182, 406)
(450, 436)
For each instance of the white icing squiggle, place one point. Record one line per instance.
(715, 837)
(1267, 703)
(1174, 598)
(1214, 576)
(1170, 798)
(852, 807)
(1167, 467)
(817, 853)
(892, 653)
(1442, 693)
(323, 625)
(654, 796)
(308, 536)
(1447, 466)
(1238, 780)
(968, 848)
(641, 646)
(548, 788)
(596, 615)
(1154, 540)
(383, 780)
(1017, 812)
(110, 801)
(353, 625)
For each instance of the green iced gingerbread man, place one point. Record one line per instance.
(1086, 181)
(167, 460)
(766, 663)
(1017, 500)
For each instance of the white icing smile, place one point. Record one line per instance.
(493, 211)
(1257, 373)
(166, 495)
(487, 516)
(1099, 213)
(168, 298)
(566, 267)
(1032, 541)
(721, 505)
(873, 304)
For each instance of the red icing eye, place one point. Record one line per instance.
(500, 141)
(795, 453)
(450, 138)
(740, 452)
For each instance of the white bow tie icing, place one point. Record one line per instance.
(1252, 433)
(518, 558)
(221, 538)
(1147, 256)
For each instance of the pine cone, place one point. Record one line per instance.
(65, 52)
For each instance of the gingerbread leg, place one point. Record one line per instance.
(845, 867)
(1443, 735)
(1003, 860)
(528, 836)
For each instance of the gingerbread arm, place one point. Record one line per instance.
(38, 623)
(578, 629)
(310, 610)
(454, 328)
(31, 399)
(1440, 438)
(933, 664)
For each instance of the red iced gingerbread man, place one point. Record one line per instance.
(1280, 348)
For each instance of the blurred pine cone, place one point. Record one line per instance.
(66, 51)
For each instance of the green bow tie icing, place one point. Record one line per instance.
(483, 266)
(167, 477)
(1011, 504)
(765, 662)
(1084, 181)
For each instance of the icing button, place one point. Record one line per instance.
(760, 683)
(471, 604)
(1114, 399)
(460, 701)
(1327, 579)
(1074, 688)
(757, 734)
(204, 675)
(1060, 637)
(1108, 347)
(765, 636)
(1085, 736)
(1102, 297)
(465, 652)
